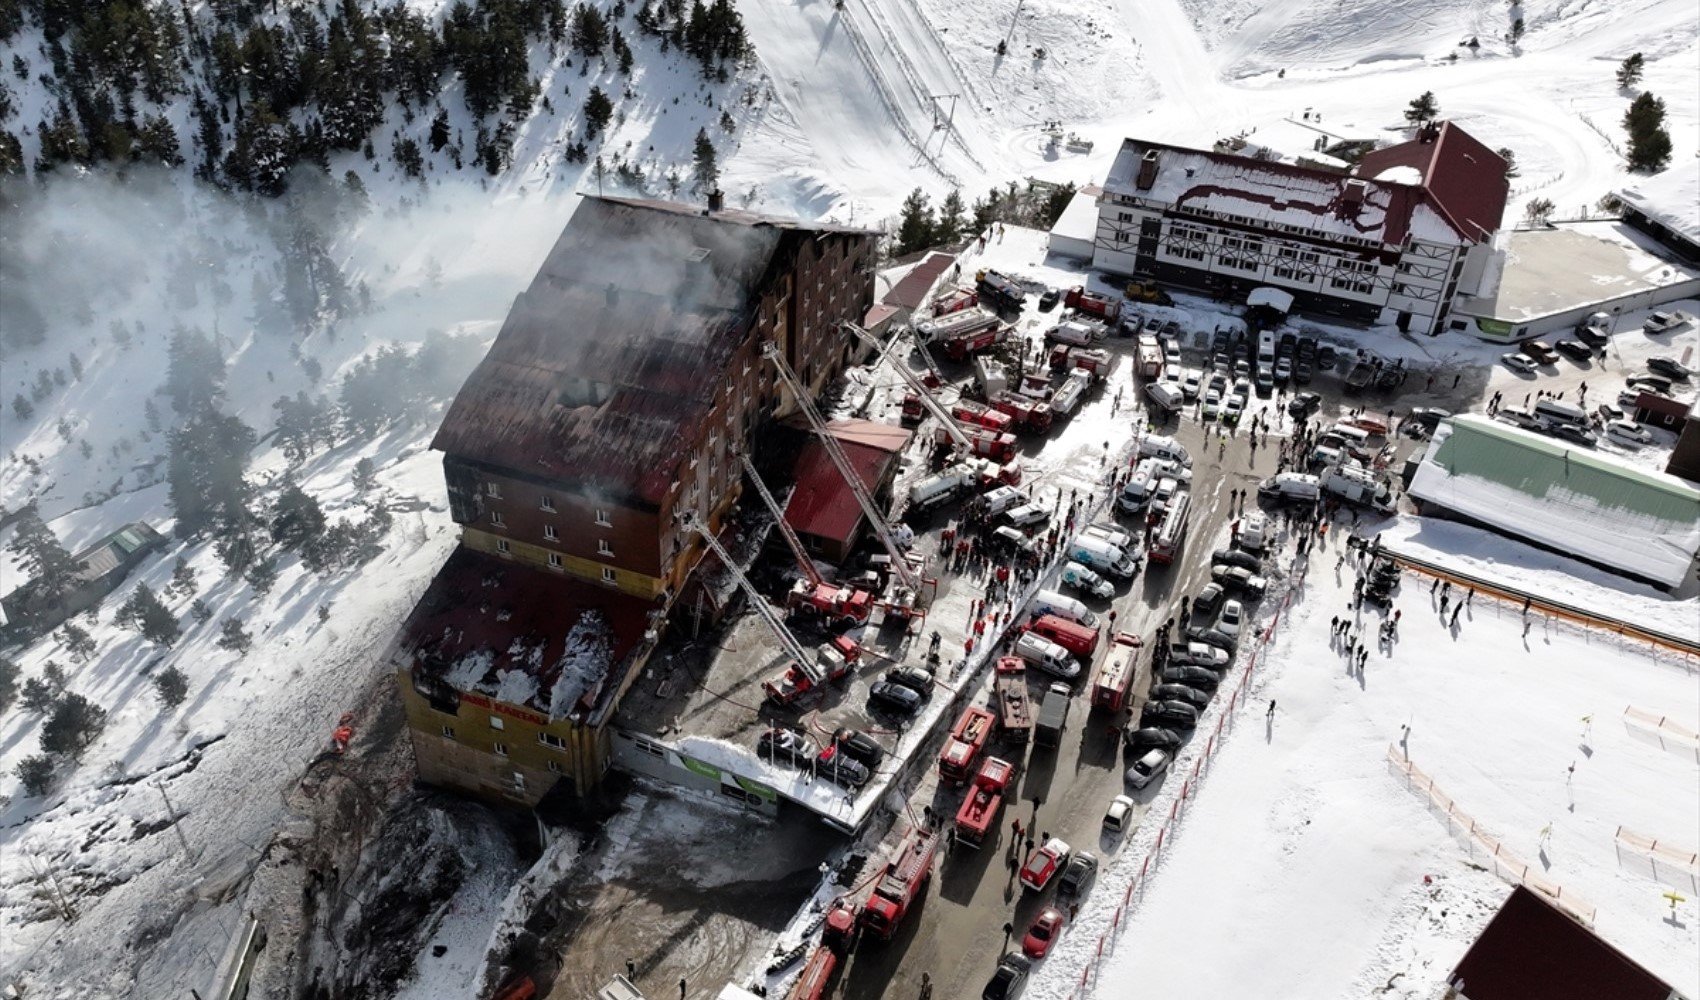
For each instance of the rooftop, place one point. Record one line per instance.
(1465, 180)
(1671, 197)
(522, 636)
(610, 351)
(912, 289)
(1531, 951)
(1573, 266)
(822, 505)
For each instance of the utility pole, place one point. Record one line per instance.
(171, 811)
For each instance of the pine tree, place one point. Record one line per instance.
(1517, 29)
(705, 161)
(951, 220)
(51, 569)
(146, 614)
(39, 695)
(9, 673)
(262, 575)
(79, 644)
(234, 637)
(297, 520)
(1629, 72)
(439, 137)
(1423, 109)
(182, 579)
(22, 407)
(915, 227)
(598, 112)
(365, 477)
(1649, 143)
(73, 726)
(1509, 155)
(36, 774)
(171, 685)
(200, 611)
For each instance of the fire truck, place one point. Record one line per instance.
(1015, 712)
(1095, 360)
(843, 605)
(1092, 303)
(1149, 363)
(975, 414)
(832, 662)
(954, 300)
(979, 812)
(959, 346)
(1030, 415)
(900, 884)
(835, 943)
(982, 443)
(1115, 675)
(999, 292)
(962, 750)
(956, 324)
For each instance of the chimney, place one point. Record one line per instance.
(716, 201)
(1352, 198)
(1147, 171)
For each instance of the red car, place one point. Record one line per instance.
(1044, 932)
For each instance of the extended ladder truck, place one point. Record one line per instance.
(904, 599)
(807, 672)
(813, 594)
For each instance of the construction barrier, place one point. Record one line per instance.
(1660, 730)
(1665, 863)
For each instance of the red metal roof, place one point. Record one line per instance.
(483, 618)
(1532, 951)
(911, 291)
(822, 505)
(1465, 180)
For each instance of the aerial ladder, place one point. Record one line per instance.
(905, 599)
(957, 434)
(804, 563)
(806, 671)
(850, 605)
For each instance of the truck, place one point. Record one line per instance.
(1053, 715)
(1114, 676)
(954, 300)
(961, 346)
(844, 606)
(991, 376)
(1101, 555)
(1092, 304)
(900, 884)
(1357, 485)
(1144, 289)
(1095, 361)
(941, 488)
(973, 414)
(956, 324)
(799, 679)
(982, 443)
(1071, 392)
(1148, 363)
(962, 750)
(1360, 377)
(978, 815)
(1015, 712)
(838, 934)
(1031, 416)
(1000, 291)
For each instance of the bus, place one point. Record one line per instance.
(1166, 543)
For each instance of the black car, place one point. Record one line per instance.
(1592, 337)
(1237, 557)
(1010, 979)
(1326, 357)
(1193, 676)
(916, 679)
(1174, 714)
(1180, 692)
(1303, 404)
(1649, 383)
(1078, 875)
(835, 765)
(1575, 350)
(1049, 300)
(1303, 372)
(1209, 600)
(1153, 738)
(894, 698)
(859, 747)
(1221, 341)
(1213, 637)
(1307, 348)
(1670, 368)
(784, 746)
(1240, 580)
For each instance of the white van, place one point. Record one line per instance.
(1101, 556)
(1047, 655)
(1166, 396)
(1352, 438)
(1136, 492)
(1254, 531)
(1115, 534)
(1051, 602)
(1266, 347)
(1555, 412)
(1076, 332)
(1163, 446)
(1291, 486)
(998, 500)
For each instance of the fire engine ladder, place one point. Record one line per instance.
(899, 564)
(920, 388)
(787, 641)
(804, 563)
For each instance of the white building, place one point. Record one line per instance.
(1395, 241)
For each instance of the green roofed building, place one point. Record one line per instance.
(1572, 500)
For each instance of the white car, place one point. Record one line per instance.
(1661, 322)
(1518, 363)
(1234, 407)
(1170, 467)
(1232, 618)
(1628, 432)
(1117, 816)
(1190, 384)
(1165, 491)
(1080, 578)
(1212, 405)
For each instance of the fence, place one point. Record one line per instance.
(1483, 846)
(1661, 731)
(1668, 864)
(1236, 699)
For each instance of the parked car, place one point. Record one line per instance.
(1148, 768)
(1078, 876)
(1575, 350)
(1669, 368)
(1649, 383)
(784, 746)
(1191, 382)
(1197, 654)
(1213, 637)
(1593, 336)
(836, 766)
(1046, 928)
(1239, 580)
(1209, 599)
(1304, 403)
(1200, 677)
(1008, 539)
(1118, 815)
(1049, 300)
(1212, 404)
(1538, 351)
(893, 698)
(1174, 714)
(1663, 322)
(1283, 371)
(1080, 578)
(1010, 979)
(1608, 412)
(1326, 357)
(916, 679)
(1574, 433)
(1518, 363)
(1237, 557)
(1232, 618)
(1304, 371)
(1180, 692)
(1153, 738)
(1628, 432)
(1233, 408)
(859, 746)
(1516, 416)
(1426, 417)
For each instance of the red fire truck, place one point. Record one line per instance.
(962, 750)
(954, 300)
(980, 809)
(1030, 415)
(1092, 303)
(900, 884)
(1015, 710)
(985, 443)
(840, 605)
(1115, 675)
(835, 942)
(959, 346)
(966, 411)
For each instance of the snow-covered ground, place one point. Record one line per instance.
(1316, 870)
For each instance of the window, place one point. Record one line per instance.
(554, 560)
(603, 548)
(609, 576)
(603, 519)
(499, 749)
(551, 740)
(554, 768)
(1355, 276)
(496, 518)
(1239, 253)
(1122, 238)
(1187, 242)
(1124, 216)
(493, 491)
(502, 545)
(547, 503)
(550, 533)
(448, 732)
(1292, 260)
(496, 722)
